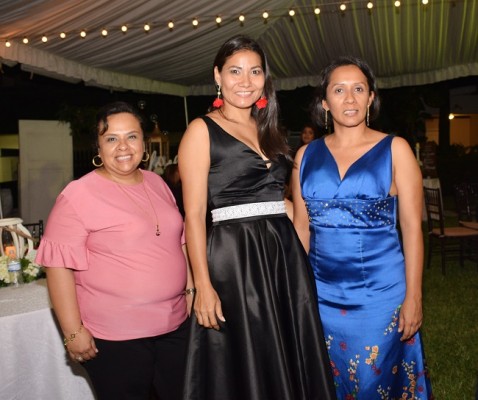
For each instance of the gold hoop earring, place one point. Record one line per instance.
(95, 162)
(147, 157)
(326, 122)
(368, 115)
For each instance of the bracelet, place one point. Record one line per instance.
(72, 337)
(190, 291)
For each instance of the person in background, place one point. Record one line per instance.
(308, 133)
(348, 189)
(255, 331)
(117, 268)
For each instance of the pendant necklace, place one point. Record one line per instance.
(158, 232)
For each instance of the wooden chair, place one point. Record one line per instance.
(462, 202)
(21, 240)
(452, 240)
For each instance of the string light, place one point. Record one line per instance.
(451, 116)
(218, 20)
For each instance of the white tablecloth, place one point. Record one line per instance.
(33, 361)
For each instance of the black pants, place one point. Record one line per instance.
(140, 369)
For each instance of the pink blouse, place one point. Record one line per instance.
(129, 282)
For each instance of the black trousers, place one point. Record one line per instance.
(140, 369)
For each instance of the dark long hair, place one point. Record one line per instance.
(272, 138)
(317, 110)
(116, 107)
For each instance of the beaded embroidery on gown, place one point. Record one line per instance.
(359, 270)
(271, 345)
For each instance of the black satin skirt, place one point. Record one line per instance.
(272, 345)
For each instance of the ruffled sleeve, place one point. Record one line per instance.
(64, 241)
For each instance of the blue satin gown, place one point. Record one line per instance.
(358, 264)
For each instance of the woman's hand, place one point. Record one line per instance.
(82, 347)
(207, 307)
(411, 317)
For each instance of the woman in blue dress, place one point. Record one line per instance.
(348, 189)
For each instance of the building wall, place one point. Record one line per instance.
(463, 130)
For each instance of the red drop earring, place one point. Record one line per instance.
(261, 103)
(218, 102)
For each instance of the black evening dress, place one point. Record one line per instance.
(272, 345)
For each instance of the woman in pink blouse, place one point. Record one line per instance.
(117, 268)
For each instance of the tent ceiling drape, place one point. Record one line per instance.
(410, 45)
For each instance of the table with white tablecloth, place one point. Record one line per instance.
(33, 361)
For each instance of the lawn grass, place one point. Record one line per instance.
(450, 328)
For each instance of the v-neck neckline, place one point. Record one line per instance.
(341, 179)
(267, 163)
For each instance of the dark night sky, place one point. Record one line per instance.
(27, 96)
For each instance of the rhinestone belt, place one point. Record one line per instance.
(248, 210)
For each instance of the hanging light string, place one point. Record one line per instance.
(217, 20)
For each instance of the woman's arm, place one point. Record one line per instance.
(62, 290)
(407, 184)
(193, 157)
(301, 218)
(190, 280)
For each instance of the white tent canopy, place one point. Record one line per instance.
(412, 44)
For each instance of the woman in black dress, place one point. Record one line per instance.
(255, 332)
